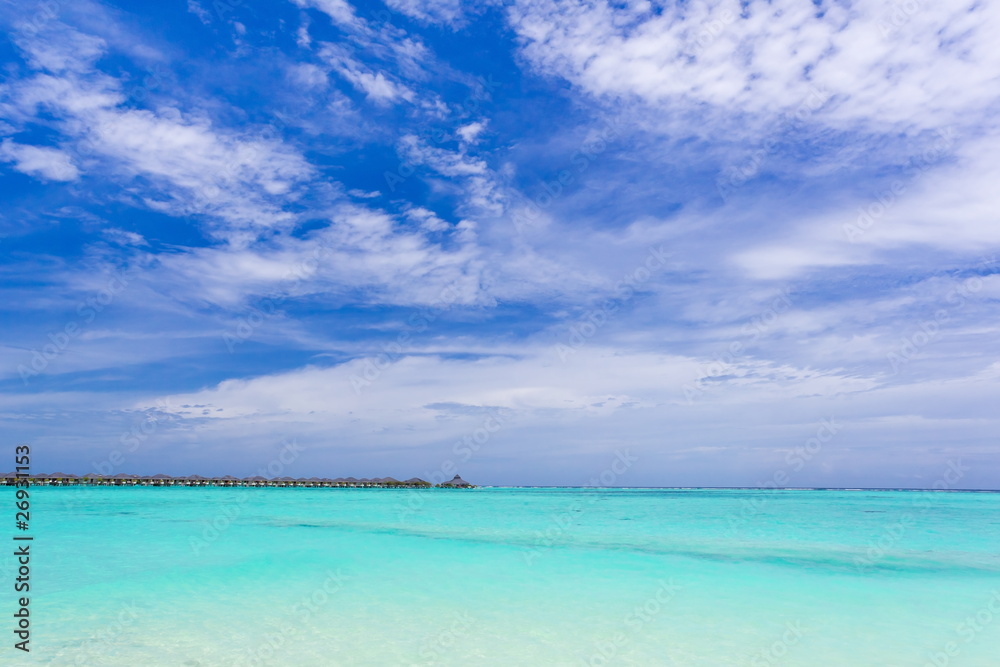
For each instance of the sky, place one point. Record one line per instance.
(530, 242)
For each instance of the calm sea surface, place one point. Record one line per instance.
(180, 576)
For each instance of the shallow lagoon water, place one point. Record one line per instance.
(213, 576)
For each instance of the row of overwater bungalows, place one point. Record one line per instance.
(123, 479)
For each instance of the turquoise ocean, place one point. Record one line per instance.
(511, 576)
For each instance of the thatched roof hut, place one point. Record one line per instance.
(61, 478)
(457, 481)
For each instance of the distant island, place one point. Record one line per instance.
(125, 479)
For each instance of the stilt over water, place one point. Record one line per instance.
(125, 479)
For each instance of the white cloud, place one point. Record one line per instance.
(195, 167)
(195, 8)
(721, 61)
(49, 164)
(125, 237)
(379, 87)
(481, 190)
(603, 398)
(340, 11)
(427, 219)
(946, 209)
(61, 51)
(302, 37)
(470, 132)
(308, 75)
(362, 249)
(431, 11)
(387, 43)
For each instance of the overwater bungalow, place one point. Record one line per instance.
(62, 479)
(126, 479)
(457, 482)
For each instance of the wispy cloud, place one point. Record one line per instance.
(434, 197)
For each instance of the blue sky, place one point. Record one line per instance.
(514, 239)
